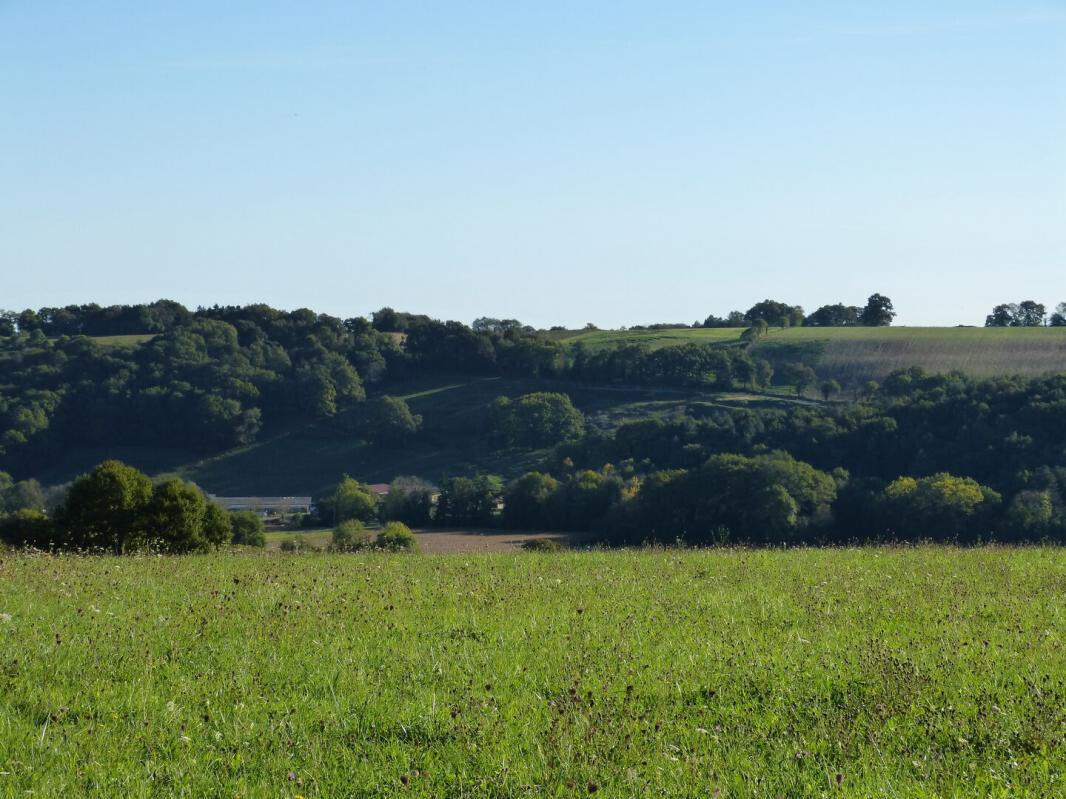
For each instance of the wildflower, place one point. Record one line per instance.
(5, 617)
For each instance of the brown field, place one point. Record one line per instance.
(437, 542)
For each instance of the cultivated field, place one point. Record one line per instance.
(855, 673)
(853, 354)
(864, 353)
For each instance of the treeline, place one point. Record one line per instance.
(214, 377)
(118, 510)
(210, 381)
(878, 312)
(938, 457)
(1027, 313)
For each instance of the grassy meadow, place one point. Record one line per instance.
(919, 672)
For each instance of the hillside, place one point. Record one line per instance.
(307, 458)
(855, 354)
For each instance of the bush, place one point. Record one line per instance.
(350, 536)
(543, 545)
(27, 528)
(297, 544)
(247, 528)
(397, 537)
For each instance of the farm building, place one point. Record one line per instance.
(265, 506)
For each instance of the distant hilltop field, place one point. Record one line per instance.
(849, 354)
(869, 353)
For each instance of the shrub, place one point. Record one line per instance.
(247, 528)
(27, 528)
(297, 544)
(397, 537)
(350, 536)
(543, 545)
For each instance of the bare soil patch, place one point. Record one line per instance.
(457, 542)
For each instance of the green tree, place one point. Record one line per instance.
(530, 502)
(23, 494)
(410, 500)
(830, 388)
(941, 507)
(777, 314)
(1058, 318)
(1030, 514)
(764, 372)
(27, 528)
(218, 525)
(799, 376)
(350, 499)
(535, 420)
(469, 501)
(1005, 315)
(248, 529)
(389, 421)
(106, 509)
(838, 315)
(878, 312)
(176, 517)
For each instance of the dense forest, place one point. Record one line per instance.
(919, 456)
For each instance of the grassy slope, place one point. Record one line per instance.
(910, 673)
(453, 441)
(306, 459)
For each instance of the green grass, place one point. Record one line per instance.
(318, 537)
(927, 672)
(131, 340)
(602, 339)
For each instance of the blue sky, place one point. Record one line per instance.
(615, 162)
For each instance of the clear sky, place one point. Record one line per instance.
(558, 162)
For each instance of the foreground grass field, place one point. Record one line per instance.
(904, 673)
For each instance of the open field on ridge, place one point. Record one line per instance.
(853, 354)
(854, 673)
